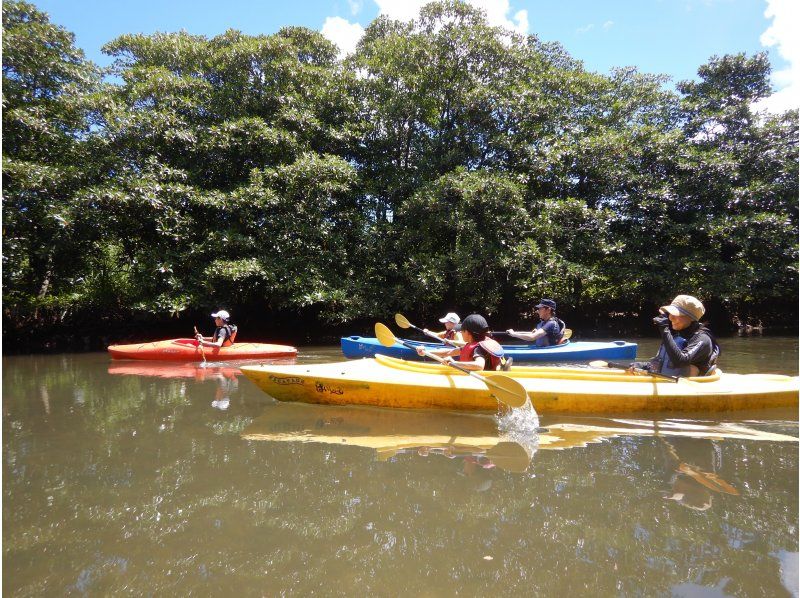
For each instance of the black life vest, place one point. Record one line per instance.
(663, 365)
(232, 329)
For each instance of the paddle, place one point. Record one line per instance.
(403, 322)
(566, 336)
(510, 456)
(505, 389)
(621, 366)
(200, 344)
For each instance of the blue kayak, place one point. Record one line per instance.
(356, 347)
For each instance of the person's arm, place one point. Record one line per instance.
(218, 343)
(478, 361)
(528, 336)
(431, 332)
(444, 353)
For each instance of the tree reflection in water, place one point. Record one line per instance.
(135, 484)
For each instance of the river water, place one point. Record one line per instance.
(145, 479)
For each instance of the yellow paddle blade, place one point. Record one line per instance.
(710, 480)
(567, 334)
(384, 335)
(510, 456)
(506, 390)
(401, 321)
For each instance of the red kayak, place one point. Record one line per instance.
(187, 349)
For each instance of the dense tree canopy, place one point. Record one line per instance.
(446, 163)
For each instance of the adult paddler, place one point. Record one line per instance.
(549, 330)
(688, 348)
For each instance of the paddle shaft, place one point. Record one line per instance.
(567, 334)
(200, 344)
(483, 379)
(622, 366)
(434, 335)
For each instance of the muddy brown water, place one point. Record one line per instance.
(146, 479)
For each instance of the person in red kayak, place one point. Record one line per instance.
(224, 335)
(450, 321)
(480, 352)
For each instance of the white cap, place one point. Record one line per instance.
(451, 317)
(222, 314)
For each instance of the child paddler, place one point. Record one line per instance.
(450, 321)
(224, 335)
(480, 351)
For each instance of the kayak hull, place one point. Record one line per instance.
(187, 349)
(355, 347)
(388, 382)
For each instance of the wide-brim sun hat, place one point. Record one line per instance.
(685, 305)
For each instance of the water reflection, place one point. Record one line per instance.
(485, 442)
(691, 486)
(473, 439)
(224, 374)
(133, 484)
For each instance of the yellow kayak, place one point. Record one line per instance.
(388, 382)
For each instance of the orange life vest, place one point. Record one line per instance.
(231, 338)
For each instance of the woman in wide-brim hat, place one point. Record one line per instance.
(688, 348)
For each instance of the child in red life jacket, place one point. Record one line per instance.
(479, 352)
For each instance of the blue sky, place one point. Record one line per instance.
(672, 37)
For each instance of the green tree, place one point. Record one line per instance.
(46, 120)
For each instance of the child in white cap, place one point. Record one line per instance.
(225, 333)
(450, 321)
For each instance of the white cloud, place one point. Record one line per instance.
(355, 6)
(782, 34)
(401, 10)
(585, 28)
(497, 12)
(346, 34)
(608, 25)
(342, 33)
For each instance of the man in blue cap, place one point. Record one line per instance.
(550, 329)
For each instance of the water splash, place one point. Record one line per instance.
(522, 420)
(520, 426)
